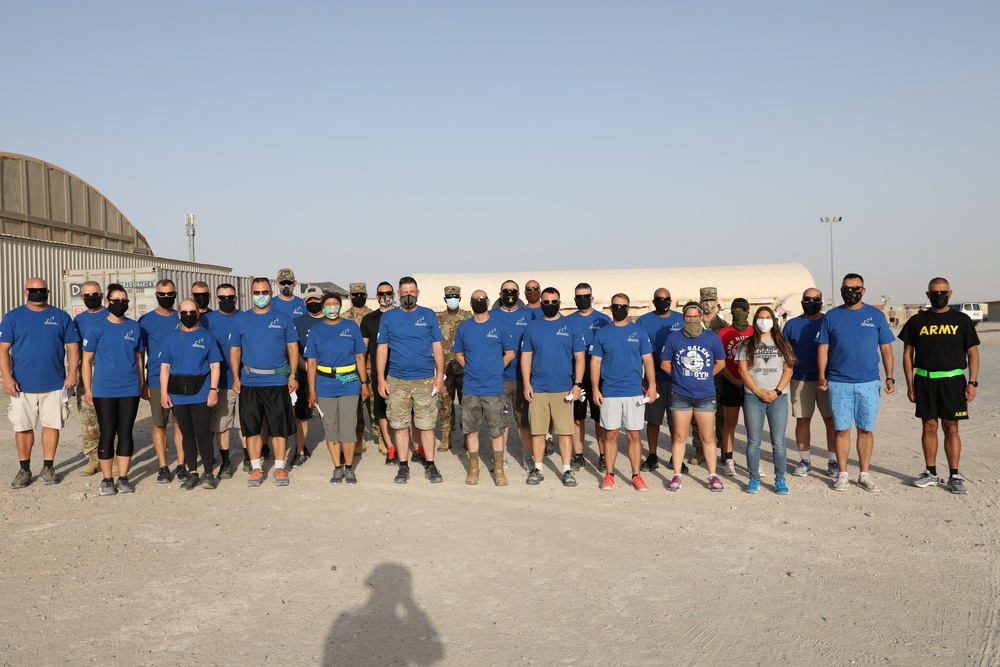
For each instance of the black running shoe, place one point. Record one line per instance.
(433, 474)
(651, 463)
(163, 475)
(403, 476)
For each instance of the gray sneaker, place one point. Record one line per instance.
(535, 477)
(729, 469)
(122, 485)
(832, 469)
(801, 470)
(926, 479)
(957, 484)
(108, 487)
(209, 481)
(48, 475)
(350, 477)
(190, 481)
(338, 476)
(867, 483)
(843, 481)
(21, 479)
(568, 478)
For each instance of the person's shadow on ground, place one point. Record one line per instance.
(390, 629)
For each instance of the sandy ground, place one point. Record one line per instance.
(380, 574)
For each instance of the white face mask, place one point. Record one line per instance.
(452, 303)
(763, 325)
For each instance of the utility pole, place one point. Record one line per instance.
(189, 221)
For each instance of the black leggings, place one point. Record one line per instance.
(194, 421)
(115, 417)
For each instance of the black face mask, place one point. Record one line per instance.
(938, 300)
(583, 302)
(509, 300)
(359, 301)
(286, 290)
(92, 302)
(189, 321)
(227, 305)
(201, 299)
(550, 310)
(314, 306)
(118, 309)
(810, 308)
(166, 302)
(39, 296)
(479, 307)
(662, 304)
(408, 301)
(619, 313)
(850, 298)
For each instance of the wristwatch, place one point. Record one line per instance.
(777, 391)
(578, 384)
(213, 389)
(974, 383)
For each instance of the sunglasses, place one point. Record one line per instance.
(286, 283)
(38, 290)
(117, 300)
(453, 296)
(189, 312)
(547, 302)
(227, 297)
(384, 293)
(938, 293)
(479, 299)
(661, 299)
(812, 299)
(512, 292)
(354, 294)
(166, 294)
(88, 296)
(852, 288)
(532, 289)
(619, 306)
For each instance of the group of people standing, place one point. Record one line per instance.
(268, 369)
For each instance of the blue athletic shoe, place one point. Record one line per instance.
(754, 485)
(781, 486)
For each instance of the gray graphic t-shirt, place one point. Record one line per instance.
(768, 363)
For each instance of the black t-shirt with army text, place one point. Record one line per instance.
(940, 340)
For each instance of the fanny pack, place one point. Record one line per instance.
(346, 374)
(285, 370)
(185, 385)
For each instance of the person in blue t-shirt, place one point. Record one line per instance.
(113, 381)
(286, 302)
(415, 377)
(516, 317)
(622, 376)
(189, 377)
(158, 326)
(588, 321)
(693, 357)
(658, 325)
(265, 348)
(484, 347)
(222, 324)
(34, 340)
(337, 379)
(552, 359)
(803, 334)
(850, 340)
(93, 301)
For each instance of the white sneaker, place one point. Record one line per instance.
(801, 470)
(730, 469)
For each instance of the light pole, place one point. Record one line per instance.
(833, 284)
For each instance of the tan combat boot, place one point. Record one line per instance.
(473, 477)
(501, 478)
(445, 443)
(92, 467)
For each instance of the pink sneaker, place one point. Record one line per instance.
(714, 483)
(608, 483)
(675, 484)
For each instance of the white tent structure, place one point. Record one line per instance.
(762, 284)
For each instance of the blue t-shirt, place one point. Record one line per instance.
(86, 319)
(190, 353)
(409, 337)
(263, 339)
(116, 371)
(854, 337)
(553, 344)
(658, 328)
(38, 346)
(303, 325)
(589, 325)
(335, 345)
(483, 344)
(222, 326)
(516, 322)
(293, 307)
(803, 334)
(621, 350)
(693, 361)
(156, 332)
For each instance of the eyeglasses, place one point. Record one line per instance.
(812, 299)
(166, 294)
(189, 312)
(262, 292)
(531, 289)
(550, 302)
(692, 317)
(227, 297)
(852, 288)
(384, 293)
(117, 300)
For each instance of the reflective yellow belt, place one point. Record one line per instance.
(338, 369)
(938, 374)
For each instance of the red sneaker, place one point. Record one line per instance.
(608, 483)
(639, 484)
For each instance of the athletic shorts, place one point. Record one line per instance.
(941, 398)
(477, 409)
(681, 403)
(28, 410)
(271, 405)
(806, 398)
(161, 416)
(302, 410)
(552, 406)
(412, 397)
(580, 407)
(623, 412)
(855, 404)
(340, 417)
(517, 404)
(730, 395)
(657, 412)
(224, 411)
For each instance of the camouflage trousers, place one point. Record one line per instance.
(452, 389)
(89, 433)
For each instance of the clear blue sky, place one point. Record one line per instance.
(368, 140)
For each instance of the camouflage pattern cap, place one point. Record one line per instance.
(709, 294)
(452, 289)
(359, 288)
(285, 274)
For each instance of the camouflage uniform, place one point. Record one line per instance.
(453, 371)
(89, 432)
(356, 316)
(716, 324)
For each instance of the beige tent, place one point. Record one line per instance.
(762, 284)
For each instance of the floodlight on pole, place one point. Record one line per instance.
(833, 283)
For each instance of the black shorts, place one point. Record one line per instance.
(580, 407)
(941, 398)
(378, 405)
(730, 396)
(302, 409)
(266, 404)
